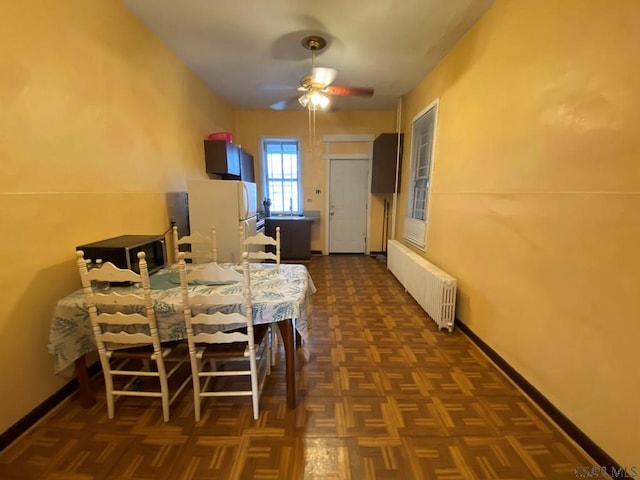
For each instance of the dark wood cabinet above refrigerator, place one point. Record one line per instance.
(383, 171)
(228, 160)
(222, 158)
(246, 166)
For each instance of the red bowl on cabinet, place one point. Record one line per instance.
(226, 136)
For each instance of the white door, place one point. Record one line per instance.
(348, 196)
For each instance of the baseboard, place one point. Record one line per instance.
(577, 435)
(29, 420)
(316, 252)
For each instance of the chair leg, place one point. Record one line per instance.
(255, 394)
(274, 343)
(195, 370)
(164, 388)
(108, 385)
(267, 350)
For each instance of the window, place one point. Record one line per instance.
(423, 139)
(281, 160)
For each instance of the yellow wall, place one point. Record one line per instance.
(253, 125)
(535, 187)
(535, 200)
(98, 121)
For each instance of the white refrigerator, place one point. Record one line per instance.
(226, 205)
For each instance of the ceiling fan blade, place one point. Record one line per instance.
(279, 105)
(323, 75)
(285, 104)
(348, 91)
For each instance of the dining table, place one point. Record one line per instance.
(280, 295)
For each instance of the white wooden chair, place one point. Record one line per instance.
(126, 334)
(202, 248)
(260, 240)
(223, 339)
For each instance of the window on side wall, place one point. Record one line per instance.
(422, 147)
(281, 167)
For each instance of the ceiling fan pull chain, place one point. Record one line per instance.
(311, 129)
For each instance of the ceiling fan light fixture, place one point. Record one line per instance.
(318, 99)
(314, 100)
(304, 100)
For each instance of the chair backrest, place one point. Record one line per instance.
(263, 240)
(201, 326)
(113, 312)
(202, 248)
(211, 273)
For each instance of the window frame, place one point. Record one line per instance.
(415, 228)
(265, 171)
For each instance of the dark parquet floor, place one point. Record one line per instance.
(385, 395)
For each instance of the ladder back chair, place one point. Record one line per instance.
(125, 331)
(224, 343)
(248, 245)
(202, 248)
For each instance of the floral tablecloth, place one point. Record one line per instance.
(278, 292)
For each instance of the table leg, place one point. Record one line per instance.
(87, 397)
(286, 331)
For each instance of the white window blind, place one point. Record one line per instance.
(423, 133)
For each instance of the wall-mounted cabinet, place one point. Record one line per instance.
(228, 160)
(246, 166)
(222, 158)
(383, 171)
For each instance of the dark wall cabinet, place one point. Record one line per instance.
(221, 158)
(228, 160)
(246, 166)
(383, 172)
(295, 237)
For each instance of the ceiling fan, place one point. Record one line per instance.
(317, 87)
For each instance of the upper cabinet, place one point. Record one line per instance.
(222, 158)
(246, 166)
(383, 172)
(228, 160)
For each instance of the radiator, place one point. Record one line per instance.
(432, 288)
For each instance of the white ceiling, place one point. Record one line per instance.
(250, 52)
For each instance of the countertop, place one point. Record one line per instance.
(308, 215)
(294, 217)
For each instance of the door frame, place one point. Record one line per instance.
(340, 138)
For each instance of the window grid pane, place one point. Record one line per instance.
(282, 180)
(423, 147)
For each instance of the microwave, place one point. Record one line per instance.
(123, 251)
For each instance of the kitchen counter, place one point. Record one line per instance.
(294, 217)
